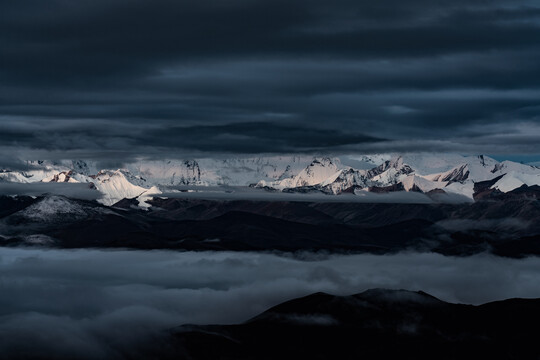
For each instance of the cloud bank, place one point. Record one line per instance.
(92, 304)
(72, 190)
(243, 193)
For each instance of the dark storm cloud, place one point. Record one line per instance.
(256, 137)
(92, 304)
(122, 78)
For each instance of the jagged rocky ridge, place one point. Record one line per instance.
(450, 174)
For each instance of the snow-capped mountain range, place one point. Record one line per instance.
(452, 174)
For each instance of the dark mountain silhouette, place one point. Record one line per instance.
(375, 324)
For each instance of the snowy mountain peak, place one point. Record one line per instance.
(51, 208)
(460, 173)
(318, 166)
(316, 172)
(390, 172)
(410, 172)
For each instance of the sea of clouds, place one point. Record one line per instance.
(92, 304)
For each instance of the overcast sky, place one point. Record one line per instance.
(114, 79)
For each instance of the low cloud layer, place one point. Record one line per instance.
(94, 304)
(111, 79)
(243, 193)
(72, 190)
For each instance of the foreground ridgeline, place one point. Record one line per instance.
(376, 324)
(466, 178)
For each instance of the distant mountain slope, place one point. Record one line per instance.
(506, 225)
